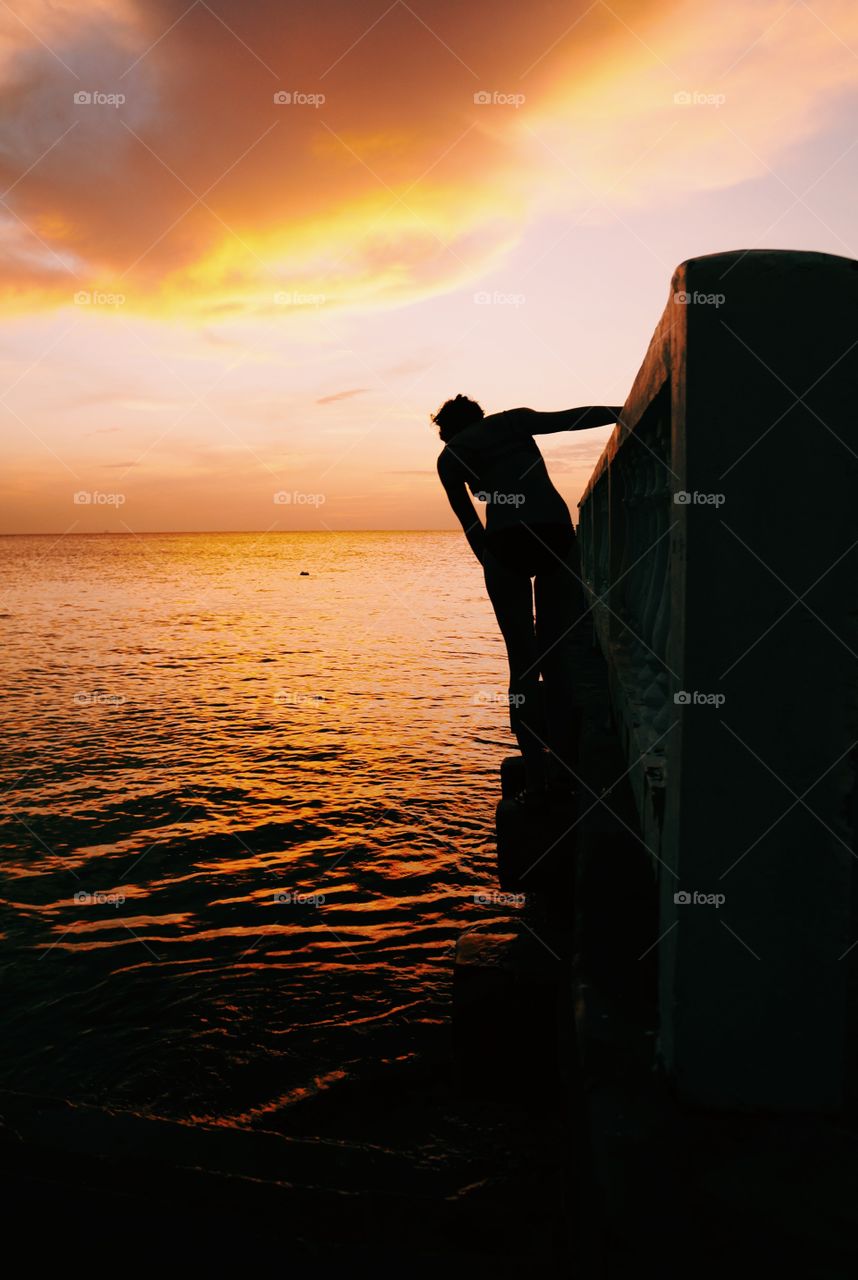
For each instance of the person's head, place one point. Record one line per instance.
(455, 415)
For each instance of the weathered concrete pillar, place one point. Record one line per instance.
(754, 735)
(510, 982)
(536, 846)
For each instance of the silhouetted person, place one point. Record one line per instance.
(528, 534)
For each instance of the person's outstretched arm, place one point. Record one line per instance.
(572, 419)
(452, 479)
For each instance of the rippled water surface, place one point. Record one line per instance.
(246, 811)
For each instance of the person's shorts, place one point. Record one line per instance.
(532, 549)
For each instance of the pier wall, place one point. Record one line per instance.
(718, 537)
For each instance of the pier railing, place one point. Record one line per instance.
(718, 537)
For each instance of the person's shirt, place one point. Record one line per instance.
(502, 465)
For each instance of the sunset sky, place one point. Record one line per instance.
(212, 295)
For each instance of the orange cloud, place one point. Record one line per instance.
(714, 97)
(199, 188)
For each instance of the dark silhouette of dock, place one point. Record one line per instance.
(712, 960)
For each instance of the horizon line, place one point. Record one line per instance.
(136, 533)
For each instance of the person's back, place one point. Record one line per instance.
(502, 465)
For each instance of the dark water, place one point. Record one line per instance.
(246, 812)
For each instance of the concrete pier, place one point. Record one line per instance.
(706, 873)
(718, 536)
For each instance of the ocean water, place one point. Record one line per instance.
(246, 812)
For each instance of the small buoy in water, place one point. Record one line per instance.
(305, 573)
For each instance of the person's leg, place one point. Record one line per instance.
(511, 594)
(559, 606)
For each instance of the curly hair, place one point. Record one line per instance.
(455, 415)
